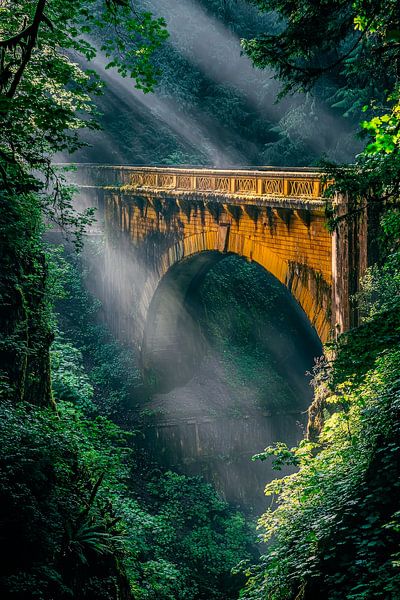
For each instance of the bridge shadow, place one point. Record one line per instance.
(174, 341)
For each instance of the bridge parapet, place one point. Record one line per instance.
(304, 185)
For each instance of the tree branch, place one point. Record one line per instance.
(31, 38)
(319, 70)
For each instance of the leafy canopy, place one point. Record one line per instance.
(357, 45)
(46, 96)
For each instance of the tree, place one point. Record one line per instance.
(45, 99)
(348, 40)
(358, 45)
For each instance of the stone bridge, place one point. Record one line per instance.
(180, 221)
(160, 230)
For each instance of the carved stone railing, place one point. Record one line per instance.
(302, 184)
(285, 184)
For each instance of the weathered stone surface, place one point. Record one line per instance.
(275, 218)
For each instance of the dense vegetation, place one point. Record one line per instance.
(255, 326)
(335, 532)
(83, 512)
(103, 520)
(80, 516)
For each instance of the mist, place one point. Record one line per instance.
(137, 126)
(199, 36)
(205, 413)
(195, 129)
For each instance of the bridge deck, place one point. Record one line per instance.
(295, 184)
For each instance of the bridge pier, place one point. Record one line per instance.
(350, 258)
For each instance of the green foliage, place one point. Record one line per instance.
(180, 539)
(101, 524)
(46, 97)
(110, 367)
(132, 50)
(343, 38)
(25, 331)
(282, 456)
(385, 129)
(69, 380)
(74, 503)
(333, 529)
(353, 45)
(188, 542)
(227, 103)
(57, 473)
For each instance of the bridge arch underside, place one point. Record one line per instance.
(172, 340)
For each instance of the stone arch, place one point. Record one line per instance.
(302, 283)
(182, 267)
